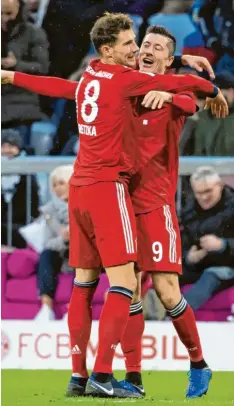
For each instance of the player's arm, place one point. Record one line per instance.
(45, 85)
(186, 102)
(138, 83)
(199, 63)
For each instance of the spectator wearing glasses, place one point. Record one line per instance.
(208, 236)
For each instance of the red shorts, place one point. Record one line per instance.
(102, 226)
(159, 243)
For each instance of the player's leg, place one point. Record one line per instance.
(167, 255)
(79, 324)
(131, 342)
(167, 288)
(85, 258)
(115, 232)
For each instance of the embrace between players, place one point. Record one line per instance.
(122, 197)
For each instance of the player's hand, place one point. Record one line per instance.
(10, 61)
(7, 77)
(199, 63)
(155, 99)
(195, 255)
(211, 243)
(218, 105)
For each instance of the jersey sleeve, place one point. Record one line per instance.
(138, 83)
(46, 85)
(185, 102)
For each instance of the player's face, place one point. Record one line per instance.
(124, 51)
(60, 188)
(154, 54)
(207, 193)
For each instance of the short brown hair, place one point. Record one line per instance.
(158, 29)
(107, 28)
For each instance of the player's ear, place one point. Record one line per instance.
(106, 51)
(170, 61)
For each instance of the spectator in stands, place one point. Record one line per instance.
(216, 18)
(14, 192)
(25, 49)
(204, 134)
(57, 241)
(208, 236)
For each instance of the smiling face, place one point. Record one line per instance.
(155, 55)
(123, 51)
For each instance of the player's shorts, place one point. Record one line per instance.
(158, 239)
(102, 226)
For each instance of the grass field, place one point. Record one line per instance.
(46, 388)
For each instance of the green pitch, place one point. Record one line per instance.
(46, 388)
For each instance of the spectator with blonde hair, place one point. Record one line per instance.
(56, 247)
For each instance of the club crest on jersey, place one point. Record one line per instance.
(87, 130)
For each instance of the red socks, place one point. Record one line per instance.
(184, 322)
(112, 325)
(79, 323)
(131, 342)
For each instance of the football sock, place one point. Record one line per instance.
(79, 323)
(132, 337)
(134, 377)
(112, 324)
(184, 322)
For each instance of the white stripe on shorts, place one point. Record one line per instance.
(125, 219)
(172, 233)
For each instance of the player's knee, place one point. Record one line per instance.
(123, 276)
(169, 300)
(86, 275)
(167, 288)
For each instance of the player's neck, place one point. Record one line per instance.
(154, 72)
(107, 61)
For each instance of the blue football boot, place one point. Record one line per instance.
(199, 380)
(132, 387)
(76, 387)
(110, 389)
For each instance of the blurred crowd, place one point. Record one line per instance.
(51, 37)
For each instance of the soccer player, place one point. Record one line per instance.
(100, 208)
(153, 190)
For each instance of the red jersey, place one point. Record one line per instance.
(158, 132)
(103, 98)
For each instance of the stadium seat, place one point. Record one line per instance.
(42, 134)
(180, 26)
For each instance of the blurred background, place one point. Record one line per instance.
(39, 141)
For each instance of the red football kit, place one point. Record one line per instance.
(153, 187)
(103, 99)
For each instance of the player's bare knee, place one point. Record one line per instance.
(167, 288)
(122, 275)
(87, 275)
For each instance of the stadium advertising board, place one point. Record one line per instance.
(31, 345)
